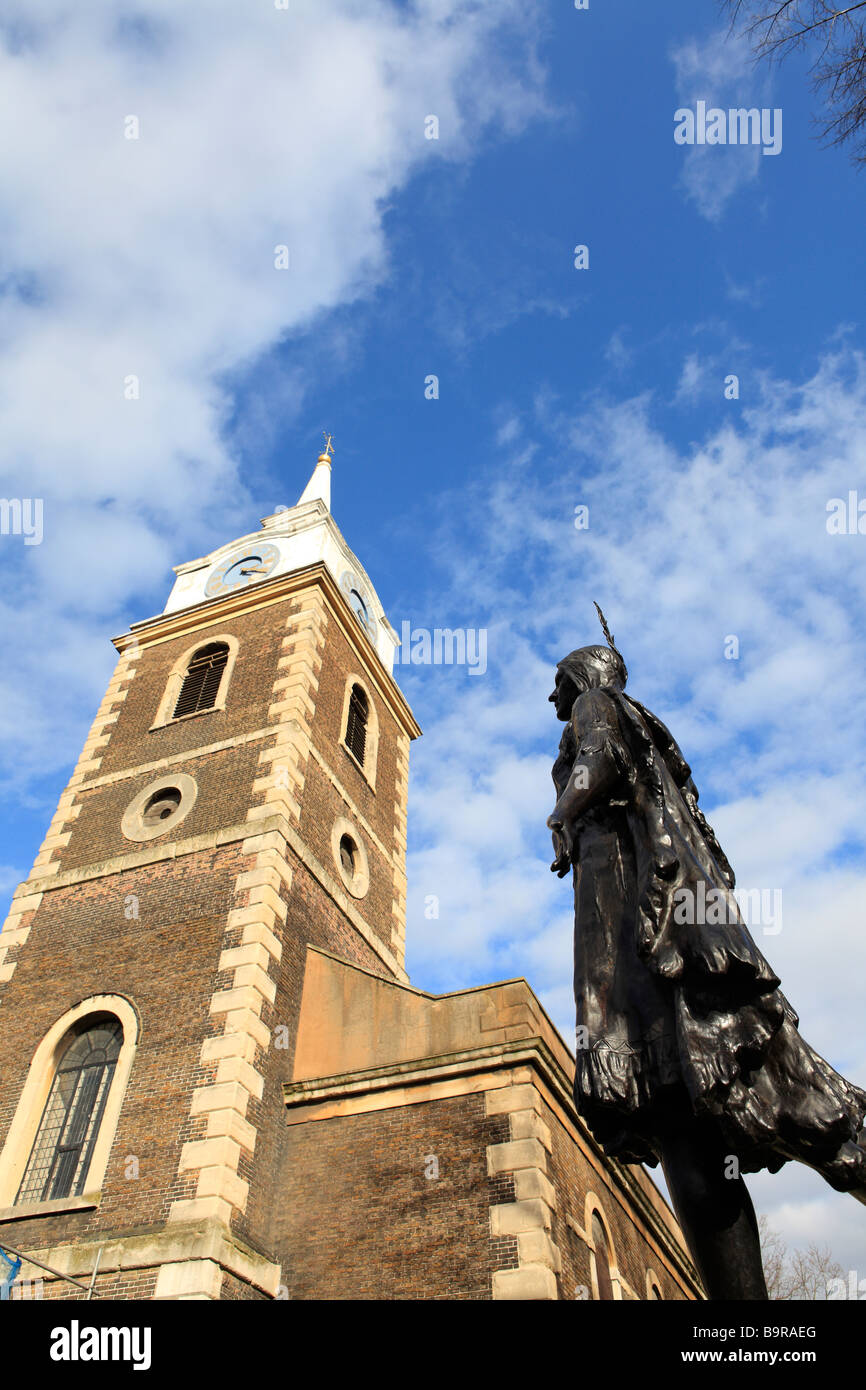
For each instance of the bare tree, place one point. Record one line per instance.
(836, 33)
(797, 1274)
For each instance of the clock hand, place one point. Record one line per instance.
(255, 569)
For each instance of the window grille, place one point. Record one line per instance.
(73, 1113)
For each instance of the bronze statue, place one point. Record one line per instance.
(687, 1052)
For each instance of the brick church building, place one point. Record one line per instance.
(216, 1081)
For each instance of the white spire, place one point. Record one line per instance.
(319, 486)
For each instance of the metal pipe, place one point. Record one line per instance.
(19, 1254)
(93, 1275)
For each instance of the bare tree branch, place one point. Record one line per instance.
(838, 72)
(797, 1274)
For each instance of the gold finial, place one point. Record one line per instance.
(328, 452)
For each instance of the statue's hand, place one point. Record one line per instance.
(562, 846)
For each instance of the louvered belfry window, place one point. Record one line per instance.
(356, 724)
(202, 680)
(73, 1113)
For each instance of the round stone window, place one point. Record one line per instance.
(350, 857)
(159, 807)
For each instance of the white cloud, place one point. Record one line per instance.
(685, 547)
(719, 70)
(10, 877)
(155, 257)
(692, 377)
(616, 352)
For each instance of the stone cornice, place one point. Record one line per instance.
(211, 840)
(207, 1240)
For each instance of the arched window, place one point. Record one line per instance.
(202, 680)
(70, 1122)
(356, 723)
(602, 1258)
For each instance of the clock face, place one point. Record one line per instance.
(359, 603)
(242, 568)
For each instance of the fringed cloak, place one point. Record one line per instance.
(673, 996)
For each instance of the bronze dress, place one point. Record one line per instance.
(678, 1016)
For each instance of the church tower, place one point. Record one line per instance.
(216, 1081)
(240, 799)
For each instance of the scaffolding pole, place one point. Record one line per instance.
(19, 1255)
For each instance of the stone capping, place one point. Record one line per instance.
(181, 1254)
(178, 849)
(124, 774)
(419, 1072)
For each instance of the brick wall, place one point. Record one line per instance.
(165, 962)
(338, 661)
(118, 1285)
(224, 780)
(572, 1177)
(86, 939)
(358, 1219)
(132, 742)
(234, 1290)
(312, 917)
(322, 804)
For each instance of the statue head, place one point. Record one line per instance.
(586, 669)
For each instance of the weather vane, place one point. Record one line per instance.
(329, 448)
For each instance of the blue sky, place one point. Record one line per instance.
(557, 388)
